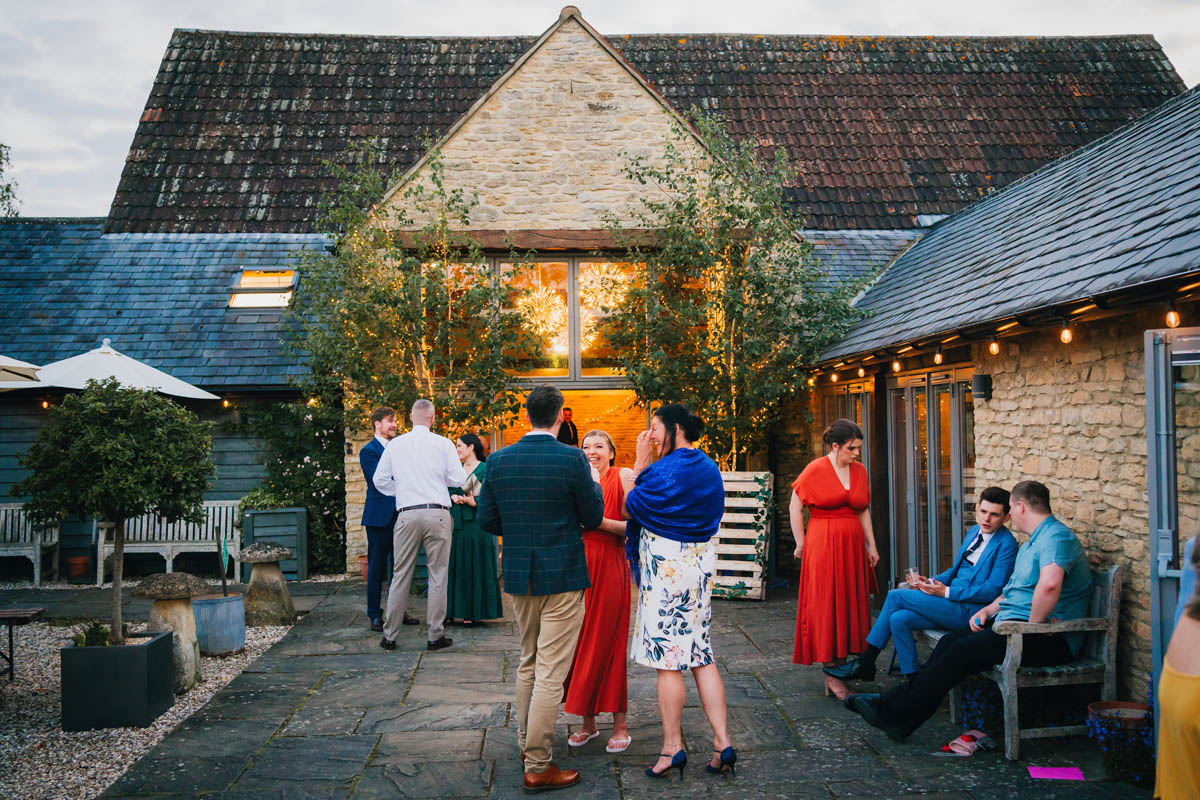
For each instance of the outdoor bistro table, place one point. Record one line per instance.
(15, 616)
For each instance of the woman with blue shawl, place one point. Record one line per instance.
(675, 509)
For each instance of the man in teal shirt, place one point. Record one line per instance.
(1051, 580)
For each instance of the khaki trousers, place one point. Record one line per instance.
(549, 626)
(431, 528)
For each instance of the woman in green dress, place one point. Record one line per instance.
(474, 587)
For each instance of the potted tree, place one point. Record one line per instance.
(115, 454)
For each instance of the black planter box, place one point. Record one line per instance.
(117, 687)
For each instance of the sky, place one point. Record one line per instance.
(75, 74)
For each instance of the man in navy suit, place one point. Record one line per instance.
(379, 515)
(539, 494)
(983, 566)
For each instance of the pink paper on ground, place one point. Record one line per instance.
(1057, 773)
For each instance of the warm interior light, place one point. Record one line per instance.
(895, 366)
(937, 356)
(994, 347)
(862, 372)
(812, 381)
(261, 280)
(1172, 316)
(1064, 335)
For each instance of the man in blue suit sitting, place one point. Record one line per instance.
(983, 566)
(379, 515)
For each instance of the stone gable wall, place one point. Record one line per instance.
(547, 151)
(1074, 417)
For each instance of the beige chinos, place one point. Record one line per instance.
(549, 626)
(430, 528)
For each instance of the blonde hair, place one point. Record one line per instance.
(608, 439)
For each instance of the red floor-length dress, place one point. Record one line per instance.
(833, 617)
(597, 681)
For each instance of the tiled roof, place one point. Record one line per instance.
(1120, 213)
(161, 298)
(851, 255)
(880, 129)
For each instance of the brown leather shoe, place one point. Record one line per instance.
(552, 778)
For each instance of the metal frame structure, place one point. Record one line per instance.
(1165, 350)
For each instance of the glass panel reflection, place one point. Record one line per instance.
(602, 288)
(540, 293)
(1187, 454)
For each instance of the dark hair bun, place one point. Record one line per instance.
(676, 416)
(842, 431)
(693, 427)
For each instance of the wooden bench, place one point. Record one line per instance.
(20, 537)
(150, 534)
(15, 616)
(1096, 662)
(744, 539)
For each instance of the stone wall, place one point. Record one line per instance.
(1073, 416)
(356, 496)
(547, 149)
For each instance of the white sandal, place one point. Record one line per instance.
(572, 741)
(618, 748)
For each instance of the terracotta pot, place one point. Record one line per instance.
(362, 564)
(77, 566)
(1123, 713)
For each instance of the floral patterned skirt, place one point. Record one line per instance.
(674, 603)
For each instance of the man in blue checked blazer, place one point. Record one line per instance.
(947, 600)
(379, 513)
(539, 495)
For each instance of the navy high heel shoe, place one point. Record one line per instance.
(728, 759)
(679, 760)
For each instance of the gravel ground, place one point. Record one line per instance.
(39, 761)
(27, 583)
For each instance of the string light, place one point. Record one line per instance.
(312, 402)
(225, 403)
(896, 366)
(812, 381)
(993, 346)
(833, 377)
(1172, 316)
(862, 373)
(1065, 335)
(45, 404)
(937, 356)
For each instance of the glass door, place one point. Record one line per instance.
(931, 469)
(1173, 467)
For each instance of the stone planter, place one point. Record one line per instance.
(220, 623)
(116, 687)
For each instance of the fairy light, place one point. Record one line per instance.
(1065, 335)
(937, 356)
(812, 381)
(1172, 316)
(993, 346)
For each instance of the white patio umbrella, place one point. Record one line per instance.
(12, 370)
(105, 362)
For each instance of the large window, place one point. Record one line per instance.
(932, 468)
(564, 300)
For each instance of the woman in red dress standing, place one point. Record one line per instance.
(597, 683)
(833, 618)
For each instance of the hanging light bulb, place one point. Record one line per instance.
(993, 346)
(937, 356)
(45, 404)
(833, 377)
(225, 403)
(812, 381)
(896, 365)
(862, 373)
(1172, 316)
(1065, 335)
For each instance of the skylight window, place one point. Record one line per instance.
(256, 288)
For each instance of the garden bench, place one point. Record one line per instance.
(150, 534)
(1096, 663)
(20, 537)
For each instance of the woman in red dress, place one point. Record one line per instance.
(597, 683)
(833, 618)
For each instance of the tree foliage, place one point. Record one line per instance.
(117, 453)
(388, 317)
(732, 307)
(9, 205)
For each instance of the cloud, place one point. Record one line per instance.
(77, 73)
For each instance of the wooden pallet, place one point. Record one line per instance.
(744, 540)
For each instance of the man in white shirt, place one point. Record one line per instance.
(416, 469)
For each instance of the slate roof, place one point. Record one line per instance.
(881, 129)
(851, 255)
(1119, 214)
(161, 298)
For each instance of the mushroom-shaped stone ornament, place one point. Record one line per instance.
(268, 601)
(172, 593)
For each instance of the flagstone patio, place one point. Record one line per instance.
(326, 713)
